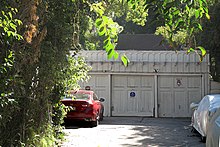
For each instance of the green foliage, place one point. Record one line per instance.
(109, 31)
(137, 11)
(75, 71)
(182, 20)
(125, 60)
(210, 38)
(36, 71)
(9, 24)
(8, 34)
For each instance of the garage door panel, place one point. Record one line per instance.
(180, 103)
(133, 81)
(183, 91)
(147, 82)
(194, 96)
(165, 104)
(118, 101)
(194, 82)
(119, 81)
(145, 100)
(137, 99)
(101, 81)
(165, 82)
(132, 105)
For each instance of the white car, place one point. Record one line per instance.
(213, 133)
(203, 113)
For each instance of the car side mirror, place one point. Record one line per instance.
(101, 99)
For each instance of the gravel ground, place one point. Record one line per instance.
(133, 132)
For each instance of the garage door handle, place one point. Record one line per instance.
(158, 105)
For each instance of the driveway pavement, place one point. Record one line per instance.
(133, 132)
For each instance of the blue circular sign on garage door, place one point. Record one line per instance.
(132, 94)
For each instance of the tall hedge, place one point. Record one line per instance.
(35, 70)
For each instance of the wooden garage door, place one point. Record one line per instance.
(132, 95)
(176, 93)
(100, 84)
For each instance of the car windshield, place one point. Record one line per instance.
(77, 96)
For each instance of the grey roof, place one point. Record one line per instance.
(141, 42)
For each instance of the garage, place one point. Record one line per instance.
(155, 83)
(132, 95)
(176, 93)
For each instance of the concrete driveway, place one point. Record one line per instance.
(133, 132)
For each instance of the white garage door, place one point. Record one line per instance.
(176, 93)
(100, 84)
(132, 95)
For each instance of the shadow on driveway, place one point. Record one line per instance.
(134, 132)
(156, 131)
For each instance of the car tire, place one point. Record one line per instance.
(101, 115)
(94, 123)
(203, 139)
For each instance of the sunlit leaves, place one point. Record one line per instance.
(207, 16)
(202, 50)
(138, 11)
(199, 50)
(98, 8)
(9, 24)
(182, 21)
(75, 71)
(108, 30)
(197, 14)
(190, 50)
(125, 60)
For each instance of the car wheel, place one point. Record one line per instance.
(203, 139)
(101, 115)
(94, 123)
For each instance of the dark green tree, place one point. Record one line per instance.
(210, 39)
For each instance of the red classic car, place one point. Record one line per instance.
(84, 105)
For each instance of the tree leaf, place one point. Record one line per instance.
(190, 50)
(200, 26)
(116, 55)
(204, 1)
(197, 14)
(109, 47)
(203, 51)
(191, 31)
(106, 42)
(111, 53)
(125, 60)
(105, 19)
(10, 15)
(98, 22)
(207, 16)
(102, 31)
